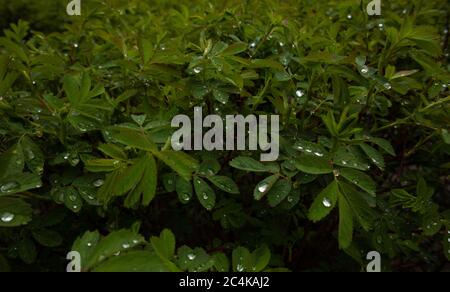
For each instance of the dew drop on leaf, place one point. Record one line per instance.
(9, 187)
(299, 93)
(326, 202)
(365, 70)
(7, 217)
(263, 188)
(98, 183)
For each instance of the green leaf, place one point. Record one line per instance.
(19, 183)
(102, 165)
(184, 190)
(360, 207)
(27, 250)
(205, 193)
(180, 162)
(135, 261)
(324, 202)
(14, 212)
(446, 136)
(265, 186)
(383, 143)
(164, 245)
(248, 164)
(242, 260)
(261, 258)
(146, 50)
(149, 181)
(351, 158)
(360, 179)
(46, 237)
(313, 165)
(133, 138)
(235, 49)
(14, 49)
(224, 183)
(130, 177)
(373, 155)
(279, 192)
(72, 90)
(34, 158)
(194, 260)
(118, 241)
(432, 224)
(113, 151)
(221, 263)
(12, 161)
(345, 223)
(72, 199)
(85, 245)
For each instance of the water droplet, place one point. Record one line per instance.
(365, 70)
(117, 254)
(308, 151)
(205, 197)
(344, 162)
(75, 207)
(9, 186)
(380, 26)
(327, 203)
(263, 188)
(388, 86)
(135, 241)
(299, 93)
(7, 217)
(125, 245)
(198, 70)
(318, 154)
(191, 256)
(186, 197)
(240, 268)
(300, 148)
(98, 183)
(75, 45)
(89, 244)
(281, 44)
(349, 16)
(252, 46)
(290, 199)
(66, 156)
(74, 161)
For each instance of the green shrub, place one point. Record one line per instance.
(86, 164)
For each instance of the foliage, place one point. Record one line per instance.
(86, 164)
